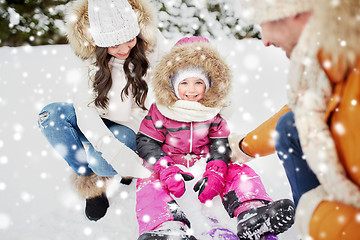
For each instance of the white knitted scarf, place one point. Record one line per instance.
(188, 111)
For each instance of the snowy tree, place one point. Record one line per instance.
(34, 22)
(208, 18)
(228, 18)
(41, 22)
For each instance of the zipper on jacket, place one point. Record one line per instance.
(191, 141)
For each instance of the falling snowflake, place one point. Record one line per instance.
(124, 195)
(335, 3)
(118, 211)
(43, 175)
(4, 160)
(251, 62)
(62, 149)
(357, 217)
(80, 155)
(158, 124)
(18, 129)
(327, 64)
(4, 221)
(221, 149)
(87, 231)
(100, 183)
(81, 170)
(152, 160)
(209, 204)
(146, 218)
(26, 197)
(340, 128)
(247, 117)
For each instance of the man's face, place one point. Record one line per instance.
(283, 33)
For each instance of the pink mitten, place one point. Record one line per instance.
(212, 182)
(171, 176)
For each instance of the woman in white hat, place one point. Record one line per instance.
(119, 39)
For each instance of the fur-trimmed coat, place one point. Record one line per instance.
(324, 94)
(124, 112)
(186, 130)
(325, 102)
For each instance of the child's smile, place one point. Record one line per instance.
(192, 89)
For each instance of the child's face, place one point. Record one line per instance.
(122, 51)
(192, 89)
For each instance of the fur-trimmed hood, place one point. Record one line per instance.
(338, 25)
(194, 54)
(77, 26)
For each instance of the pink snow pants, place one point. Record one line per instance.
(154, 205)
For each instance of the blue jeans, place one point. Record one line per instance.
(57, 122)
(300, 176)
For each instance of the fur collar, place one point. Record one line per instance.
(338, 25)
(77, 25)
(195, 54)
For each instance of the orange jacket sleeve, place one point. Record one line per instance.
(333, 221)
(260, 142)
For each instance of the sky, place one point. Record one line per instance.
(37, 200)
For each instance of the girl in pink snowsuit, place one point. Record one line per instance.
(191, 86)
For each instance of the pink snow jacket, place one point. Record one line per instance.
(182, 129)
(184, 142)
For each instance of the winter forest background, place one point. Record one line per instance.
(38, 67)
(40, 22)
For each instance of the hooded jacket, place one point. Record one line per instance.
(124, 112)
(186, 130)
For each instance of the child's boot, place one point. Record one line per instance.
(273, 218)
(92, 187)
(171, 230)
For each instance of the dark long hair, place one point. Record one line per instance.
(135, 68)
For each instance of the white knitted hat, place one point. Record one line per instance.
(181, 74)
(112, 22)
(260, 11)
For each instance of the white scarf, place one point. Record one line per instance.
(188, 111)
(118, 110)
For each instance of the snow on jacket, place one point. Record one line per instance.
(123, 112)
(183, 126)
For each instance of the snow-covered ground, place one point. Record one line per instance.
(36, 198)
